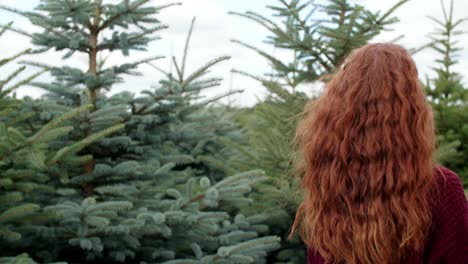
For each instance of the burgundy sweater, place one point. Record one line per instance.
(447, 242)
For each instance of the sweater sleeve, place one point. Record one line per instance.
(313, 257)
(310, 257)
(450, 241)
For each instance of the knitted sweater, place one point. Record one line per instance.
(447, 242)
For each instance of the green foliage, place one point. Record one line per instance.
(165, 176)
(24, 161)
(319, 37)
(21, 162)
(448, 96)
(154, 191)
(23, 258)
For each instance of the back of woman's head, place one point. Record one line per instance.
(366, 160)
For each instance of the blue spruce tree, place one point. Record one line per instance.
(25, 159)
(156, 191)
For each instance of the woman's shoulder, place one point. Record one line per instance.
(448, 173)
(448, 242)
(451, 195)
(448, 181)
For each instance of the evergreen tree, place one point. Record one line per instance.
(448, 96)
(156, 190)
(25, 158)
(319, 36)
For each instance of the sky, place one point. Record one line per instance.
(214, 30)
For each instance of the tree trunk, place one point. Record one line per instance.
(93, 39)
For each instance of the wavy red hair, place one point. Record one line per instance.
(366, 158)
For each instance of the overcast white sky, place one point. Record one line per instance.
(215, 28)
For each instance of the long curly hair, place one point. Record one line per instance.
(366, 151)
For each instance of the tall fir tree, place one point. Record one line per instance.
(156, 191)
(448, 95)
(319, 36)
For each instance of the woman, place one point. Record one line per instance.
(373, 191)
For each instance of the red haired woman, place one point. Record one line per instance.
(373, 191)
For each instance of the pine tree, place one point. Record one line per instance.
(448, 96)
(156, 191)
(25, 158)
(319, 36)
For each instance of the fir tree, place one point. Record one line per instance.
(155, 190)
(319, 36)
(25, 158)
(448, 96)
